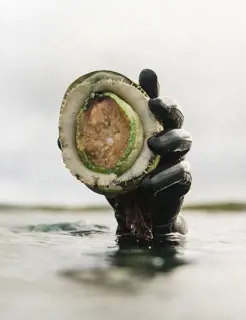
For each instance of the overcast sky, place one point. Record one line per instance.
(198, 49)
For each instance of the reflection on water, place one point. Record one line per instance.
(128, 264)
(129, 267)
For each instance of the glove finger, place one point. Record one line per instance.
(172, 144)
(148, 80)
(165, 177)
(168, 112)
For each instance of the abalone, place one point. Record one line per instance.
(104, 126)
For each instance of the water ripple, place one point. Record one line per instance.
(75, 228)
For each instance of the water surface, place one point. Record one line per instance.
(68, 266)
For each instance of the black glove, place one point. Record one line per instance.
(153, 209)
(155, 206)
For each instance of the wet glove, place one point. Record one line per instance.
(154, 208)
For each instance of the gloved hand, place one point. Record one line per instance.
(154, 208)
(160, 196)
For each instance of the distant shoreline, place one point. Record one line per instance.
(208, 207)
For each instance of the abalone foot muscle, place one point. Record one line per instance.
(104, 131)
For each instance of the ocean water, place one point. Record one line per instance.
(68, 266)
